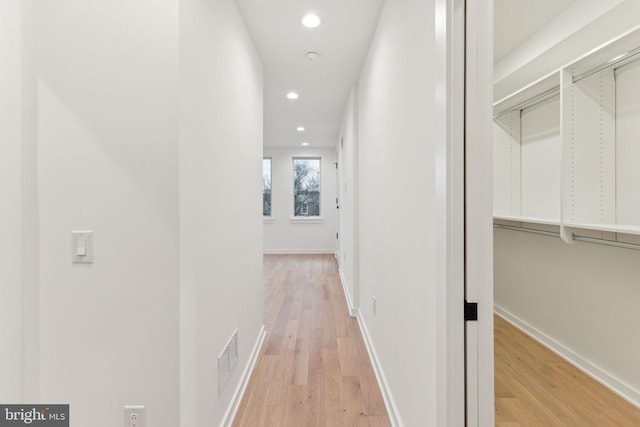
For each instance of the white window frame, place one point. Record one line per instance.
(303, 218)
(268, 218)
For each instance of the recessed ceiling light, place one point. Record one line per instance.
(305, 144)
(311, 20)
(300, 128)
(292, 95)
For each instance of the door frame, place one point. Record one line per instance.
(479, 212)
(464, 44)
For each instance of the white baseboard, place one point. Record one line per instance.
(373, 357)
(612, 383)
(345, 286)
(238, 394)
(389, 403)
(298, 251)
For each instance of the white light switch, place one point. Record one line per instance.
(82, 247)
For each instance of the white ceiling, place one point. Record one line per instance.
(517, 20)
(323, 84)
(342, 40)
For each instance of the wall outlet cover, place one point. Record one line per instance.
(134, 416)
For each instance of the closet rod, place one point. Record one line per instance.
(528, 230)
(618, 59)
(623, 245)
(529, 102)
(607, 242)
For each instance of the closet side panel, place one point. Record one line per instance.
(506, 164)
(591, 180)
(628, 144)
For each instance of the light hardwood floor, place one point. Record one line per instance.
(536, 387)
(313, 369)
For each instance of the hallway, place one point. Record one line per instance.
(313, 369)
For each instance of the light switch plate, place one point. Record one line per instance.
(79, 238)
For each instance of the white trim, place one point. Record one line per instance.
(267, 220)
(389, 403)
(232, 410)
(298, 251)
(306, 220)
(449, 209)
(353, 311)
(478, 213)
(612, 383)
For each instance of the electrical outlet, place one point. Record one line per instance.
(375, 308)
(134, 416)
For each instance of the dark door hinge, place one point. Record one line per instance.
(470, 311)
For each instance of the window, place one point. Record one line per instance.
(266, 187)
(306, 187)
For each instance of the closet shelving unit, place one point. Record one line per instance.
(566, 149)
(527, 154)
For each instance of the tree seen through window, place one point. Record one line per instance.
(266, 187)
(306, 187)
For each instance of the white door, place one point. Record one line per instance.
(338, 200)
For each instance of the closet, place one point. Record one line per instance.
(566, 151)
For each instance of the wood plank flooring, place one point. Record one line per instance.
(313, 369)
(536, 387)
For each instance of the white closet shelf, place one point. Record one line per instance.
(538, 90)
(612, 53)
(531, 219)
(612, 228)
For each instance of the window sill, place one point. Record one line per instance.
(306, 220)
(267, 220)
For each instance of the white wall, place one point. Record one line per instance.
(571, 20)
(580, 28)
(220, 202)
(582, 296)
(397, 205)
(348, 200)
(11, 356)
(101, 87)
(281, 235)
